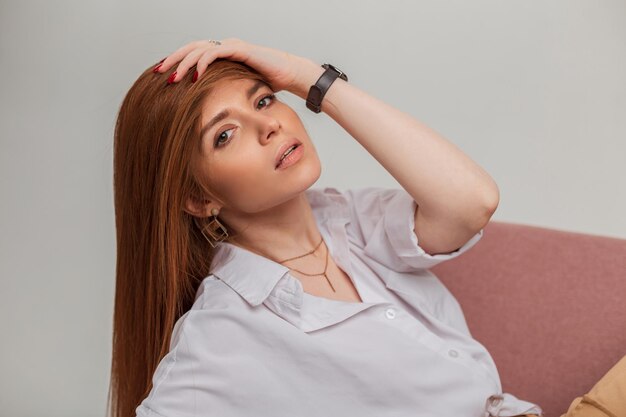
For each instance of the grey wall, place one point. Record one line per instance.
(534, 91)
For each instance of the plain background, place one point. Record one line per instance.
(534, 91)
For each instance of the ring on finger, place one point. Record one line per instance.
(215, 42)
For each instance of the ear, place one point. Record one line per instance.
(199, 207)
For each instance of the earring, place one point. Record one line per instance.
(214, 228)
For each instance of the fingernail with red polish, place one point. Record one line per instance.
(195, 77)
(171, 79)
(156, 69)
(161, 61)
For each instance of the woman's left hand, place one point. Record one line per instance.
(280, 68)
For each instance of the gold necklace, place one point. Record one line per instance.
(312, 275)
(308, 253)
(301, 256)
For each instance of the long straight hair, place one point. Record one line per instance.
(161, 255)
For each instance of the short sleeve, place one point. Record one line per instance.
(384, 218)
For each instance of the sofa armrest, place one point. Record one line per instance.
(549, 305)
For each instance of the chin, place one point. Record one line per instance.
(313, 172)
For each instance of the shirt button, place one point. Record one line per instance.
(390, 313)
(453, 353)
(495, 401)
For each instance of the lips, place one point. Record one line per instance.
(283, 148)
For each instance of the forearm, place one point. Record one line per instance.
(445, 183)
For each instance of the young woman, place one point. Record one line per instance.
(243, 291)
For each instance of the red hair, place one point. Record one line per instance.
(161, 255)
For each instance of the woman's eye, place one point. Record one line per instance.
(223, 138)
(270, 96)
(223, 135)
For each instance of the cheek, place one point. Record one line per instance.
(243, 180)
(294, 119)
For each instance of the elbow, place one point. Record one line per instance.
(492, 200)
(487, 208)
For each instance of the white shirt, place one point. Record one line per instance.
(255, 344)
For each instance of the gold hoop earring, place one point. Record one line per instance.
(214, 228)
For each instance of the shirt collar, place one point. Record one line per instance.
(262, 281)
(252, 276)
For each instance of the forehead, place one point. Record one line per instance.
(227, 91)
(231, 88)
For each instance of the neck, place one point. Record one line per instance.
(282, 232)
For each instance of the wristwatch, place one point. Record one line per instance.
(317, 91)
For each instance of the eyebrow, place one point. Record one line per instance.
(225, 113)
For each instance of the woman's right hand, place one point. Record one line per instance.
(284, 71)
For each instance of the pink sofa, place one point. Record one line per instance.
(549, 305)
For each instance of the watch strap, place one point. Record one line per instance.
(319, 89)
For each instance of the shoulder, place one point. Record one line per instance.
(216, 306)
(356, 202)
(202, 339)
(214, 294)
(381, 221)
(362, 207)
(324, 197)
(220, 343)
(355, 198)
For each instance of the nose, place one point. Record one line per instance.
(268, 126)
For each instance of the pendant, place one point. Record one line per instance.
(330, 283)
